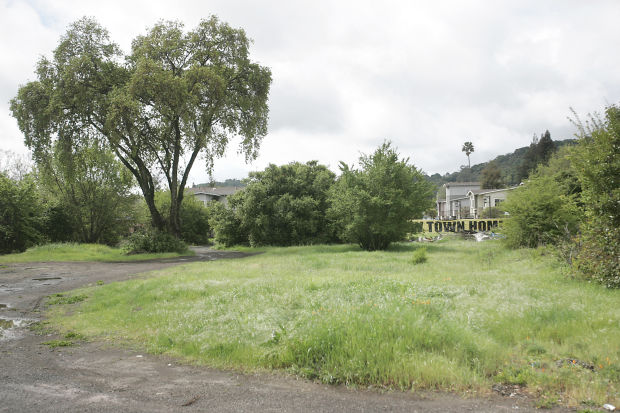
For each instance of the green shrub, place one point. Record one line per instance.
(419, 256)
(153, 241)
(374, 206)
(226, 225)
(195, 228)
(597, 162)
(20, 215)
(286, 205)
(546, 210)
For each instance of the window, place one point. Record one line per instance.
(498, 201)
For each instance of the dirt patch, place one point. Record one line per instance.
(98, 377)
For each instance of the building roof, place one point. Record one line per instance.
(489, 191)
(215, 191)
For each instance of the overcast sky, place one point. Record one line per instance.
(427, 75)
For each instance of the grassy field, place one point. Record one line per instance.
(79, 252)
(469, 316)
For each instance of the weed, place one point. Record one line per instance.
(546, 401)
(63, 299)
(419, 256)
(74, 335)
(57, 343)
(40, 327)
(99, 282)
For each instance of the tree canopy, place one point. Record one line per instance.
(176, 96)
(373, 206)
(468, 148)
(282, 205)
(491, 176)
(597, 165)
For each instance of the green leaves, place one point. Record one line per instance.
(178, 94)
(374, 206)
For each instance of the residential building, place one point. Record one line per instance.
(458, 200)
(452, 200)
(207, 193)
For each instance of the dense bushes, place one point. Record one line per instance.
(88, 192)
(298, 204)
(282, 205)
(597, 164)
(545, 210)
(574, 202)
(153, 241)
(20, 214)
(194, 217)
(374, 205)
(226, 223)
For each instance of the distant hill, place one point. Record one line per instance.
(509, 164)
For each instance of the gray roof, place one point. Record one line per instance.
(488, 191)
(215, 191)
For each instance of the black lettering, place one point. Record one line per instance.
(430, 226)
(437, 226)
(473, 226)
(482, 226)
(460, 226)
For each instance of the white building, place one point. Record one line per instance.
(458, 200)
(452, 199)
(207, 194)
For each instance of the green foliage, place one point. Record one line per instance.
(491, 177)
(58, 223)
(546, 209)
(226, 223)
(489, 212)
(419, 256)
(468, 148)
(597, 162)
(538, 153)
(509, 164)
(63, 252)
(282, 205)
(58, 343)
(194, 217)
(89, 193)
(153, 241)
(374, 206)
(20, 214)
(61, 298)
(177, 95)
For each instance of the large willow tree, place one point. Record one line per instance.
(176, 97)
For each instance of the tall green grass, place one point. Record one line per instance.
(78, 252)
(472, 315)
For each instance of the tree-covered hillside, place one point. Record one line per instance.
(511, 165)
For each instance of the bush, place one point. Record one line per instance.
(153, 241)
(492, 212)
(546, 210)
(226, 224)
(419, 256)
(374, 206)
(20, 215)
(282, 205)
(195, 228)
(597, 162)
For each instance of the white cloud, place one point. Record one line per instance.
(349, 74)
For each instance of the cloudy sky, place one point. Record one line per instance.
(427, 75)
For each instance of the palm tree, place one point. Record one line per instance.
(468, 148)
